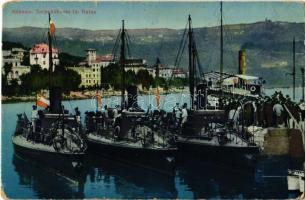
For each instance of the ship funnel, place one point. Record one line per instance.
(55, 100)
(242, 62)
(132, 96)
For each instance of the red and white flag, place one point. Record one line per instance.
(42, 102)
(158, 97)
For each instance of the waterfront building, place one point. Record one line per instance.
(167, 72)
(97, 61)
(178, 73)
(90, 68)
(14, 57)
(39, 55)
(18, 53)
(15, 62)
(90, 76)
(16, 72)
(135, 65)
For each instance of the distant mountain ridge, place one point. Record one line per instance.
(268, 45)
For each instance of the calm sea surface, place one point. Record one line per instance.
(104, 178)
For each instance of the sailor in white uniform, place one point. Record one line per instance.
(184, 114)
(34, 117)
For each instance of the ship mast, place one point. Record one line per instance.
(303, 84)
(191, 64)
(293, 68)
(122, 63)
(221, 46)
(50, 55)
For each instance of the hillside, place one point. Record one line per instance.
(268, 45)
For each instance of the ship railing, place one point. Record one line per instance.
(296, 124)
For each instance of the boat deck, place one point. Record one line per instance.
(234, 141)
(127, 143)
(29, 144)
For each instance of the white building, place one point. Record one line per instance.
(18, 53)
(14, 57)
(90, 76)
(91, 56)
(94, 60)
(178, 73)
(39, 55)
(17, 72)
(167, 72)
(15, 62)
(90, 69)
(135, 65)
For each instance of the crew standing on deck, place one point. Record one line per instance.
(184, 114)
(278, 110)
(34, 117)
(176, 113)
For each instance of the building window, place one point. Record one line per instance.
(44, 62)
(94, 70)
(44, 55)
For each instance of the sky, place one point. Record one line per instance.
(108, 15)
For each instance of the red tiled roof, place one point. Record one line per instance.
(105, 58)
(42, 48)
(178, 71)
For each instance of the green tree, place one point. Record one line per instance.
(145, 78)
(7, 69)
(112, 75)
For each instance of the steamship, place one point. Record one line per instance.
(241, 85)
(51, 132)
(128, 133)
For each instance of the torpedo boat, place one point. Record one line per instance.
(127, 132)
(50, 132)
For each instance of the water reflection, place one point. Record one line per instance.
(211, 180)
(100, 177)
(131, 181)
(48, 179)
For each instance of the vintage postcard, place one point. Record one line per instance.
(153, 99)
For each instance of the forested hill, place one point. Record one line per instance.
(268, 45)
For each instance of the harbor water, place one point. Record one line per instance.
(105, 178)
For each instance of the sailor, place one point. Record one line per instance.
(234, 116)
(77, 115)
(115, 112)
(268, 109)
(34, 117)
(105, 111)
(254, 113)
(210, 84)
(149, 110)
(105, 116)
(302, 108)
(176, 112)
(278, 109)
(184, 114)
(248, 110)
